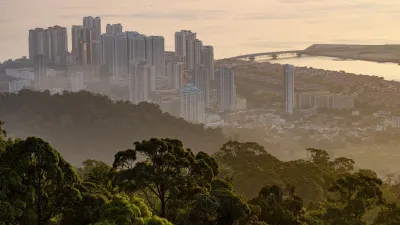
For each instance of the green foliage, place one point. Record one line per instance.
(279, 206)
(46, 178)
(96, 172)
(85, 125)
(170, 172)
(123, 210)
(352, 197)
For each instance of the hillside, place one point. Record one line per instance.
(375, 53)
(84, 125)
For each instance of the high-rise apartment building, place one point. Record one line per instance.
(174, 73)
(288, 89)
(39, 68)
(194, 53)
(202, 81)
(113, 28)
(52, 42)
(82, 45)
(226, 90)
(192, 104)
(158, 55)
(208, 60)
(108, 52)
(138, 83)
(94, 23)
(182, 39)
(37, 43)
(121, 61)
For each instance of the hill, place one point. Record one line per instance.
(375, 53)
(84, 125)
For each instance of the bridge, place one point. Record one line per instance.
(273, 55)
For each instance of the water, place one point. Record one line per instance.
(389, 71)
(233, 27)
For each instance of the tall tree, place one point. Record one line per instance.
(170, 172)
(48, 179)
(351, 197)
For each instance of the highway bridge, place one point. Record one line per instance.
(273, 55)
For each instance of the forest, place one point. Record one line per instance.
(85, 125)
(158, 181)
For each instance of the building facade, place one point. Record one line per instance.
(192, 104)
(208, 60)
(202, 81)
(39, 68)
(138, 82)
(226, 89)
(288, 89)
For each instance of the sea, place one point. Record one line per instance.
(233, 27)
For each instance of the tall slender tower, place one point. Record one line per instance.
(208, 60)
(202, 82)
(82, 44)
(39, 68)
(138, 86)
(226, 91)
(94, 23)
(182, 39)
(37, 44)
(288, 91)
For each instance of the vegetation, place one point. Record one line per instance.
(85, 125)
(241, 184)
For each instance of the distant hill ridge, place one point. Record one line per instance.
(85, 125)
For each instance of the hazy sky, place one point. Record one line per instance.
(232, 26)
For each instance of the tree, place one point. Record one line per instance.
(279, 206)
(389, 215)
(123, 210)
(352, 196)
(12, 192)
(170, 172)
(48, 179)
(96, 172)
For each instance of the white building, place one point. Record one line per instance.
(288, 89)
(240, 103)
(23, 73)
(138, 83)
(77, 83)
(396, 122)
(226, 90)
(17, 85)
(192, 104)
(213, 120)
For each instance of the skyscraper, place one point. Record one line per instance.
(36, 42)
(288, 89)
(202, 81)
(39, 68)
(52, 42)
(82, 44)
(208, 60)
(57, 46)
(138, 83)
(108, 52)
(158, 55)
(121, 62)
(192, 104)
(194, 53)
(113, 28)
(95, 25)
(226, 90)
(182, 39)
(174, 73)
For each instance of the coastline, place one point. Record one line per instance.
(371, 53)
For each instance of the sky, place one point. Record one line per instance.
(233, 27)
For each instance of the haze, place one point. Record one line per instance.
(255, 25)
